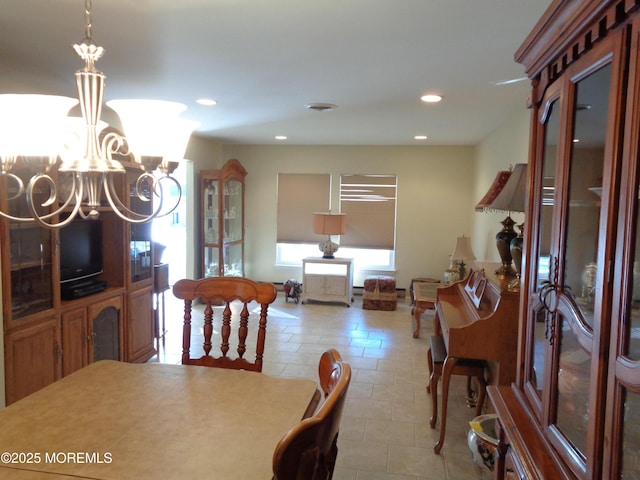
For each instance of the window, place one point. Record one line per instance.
(370, 204)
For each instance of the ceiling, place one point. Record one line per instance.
(263, 61)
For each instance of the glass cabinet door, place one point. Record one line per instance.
(623, 389)
(538, 316)
(580, 256)
(211, 212)
(233, 228)
(140, 233)
(571, 296)
(211, 261)
(30, 253)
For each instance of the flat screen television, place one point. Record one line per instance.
(80, 250)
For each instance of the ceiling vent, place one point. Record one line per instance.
(321, 107)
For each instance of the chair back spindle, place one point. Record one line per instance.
(228, 292)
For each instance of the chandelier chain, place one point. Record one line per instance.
(87, 19)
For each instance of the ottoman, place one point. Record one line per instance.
(380, 293)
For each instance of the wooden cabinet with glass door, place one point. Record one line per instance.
(222, 226)
(29, 286)
(572, 413)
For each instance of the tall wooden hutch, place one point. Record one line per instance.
(222, 225)
(46, 337)
(574, 411)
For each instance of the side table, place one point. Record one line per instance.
(424, 295)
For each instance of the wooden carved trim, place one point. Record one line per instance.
(545, 63)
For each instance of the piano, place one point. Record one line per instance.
(478, 318)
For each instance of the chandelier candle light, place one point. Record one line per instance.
(327, 223)
(36, 132)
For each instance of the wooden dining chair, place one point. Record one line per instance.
(230, 293)
(309, 450)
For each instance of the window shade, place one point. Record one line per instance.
(299, 195)
(370, 204)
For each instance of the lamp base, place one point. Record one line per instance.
(503, 242)
(328, 248)
(516, 254)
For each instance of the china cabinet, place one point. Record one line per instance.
(222, 225)
(573, 411)
(49, 334)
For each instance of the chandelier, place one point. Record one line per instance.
(75, 160)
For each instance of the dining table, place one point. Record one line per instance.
(116, 421)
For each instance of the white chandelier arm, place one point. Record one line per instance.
(40, 219)
(121, 210)
(174, 180)
(18, 181)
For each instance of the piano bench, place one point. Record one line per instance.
(436, 357)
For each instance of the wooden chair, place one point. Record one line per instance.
(309, 450)
(224, 291)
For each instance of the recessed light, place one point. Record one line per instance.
(420, 137)
(281, 137)
(321, 107)
(207, 102)
(431, 98)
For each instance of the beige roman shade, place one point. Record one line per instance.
(299, 196)
(369, 201)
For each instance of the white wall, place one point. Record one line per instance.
(506, 146)
(435, 192)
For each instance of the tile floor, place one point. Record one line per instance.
(385, 433)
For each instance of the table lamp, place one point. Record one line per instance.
(327, 223)
(511, 199)
(462, 252)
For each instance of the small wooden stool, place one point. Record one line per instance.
(442, 365)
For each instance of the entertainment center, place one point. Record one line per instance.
(74, 295)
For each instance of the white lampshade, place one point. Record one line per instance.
(33, 125)
(463, 250)
(180, 134)
(153, 127)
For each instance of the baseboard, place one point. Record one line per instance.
(357, 290)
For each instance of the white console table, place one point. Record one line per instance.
(327, 279)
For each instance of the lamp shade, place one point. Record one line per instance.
(513, 195)
(494, 190)
(33, 125)
(463, 250)
(153, 128)
(327, 223)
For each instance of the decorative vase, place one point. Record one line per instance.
(503, 242)
(483, 443)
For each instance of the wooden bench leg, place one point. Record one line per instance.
(449, 365)
(430, 365)
(433, 386)
(482, 390)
